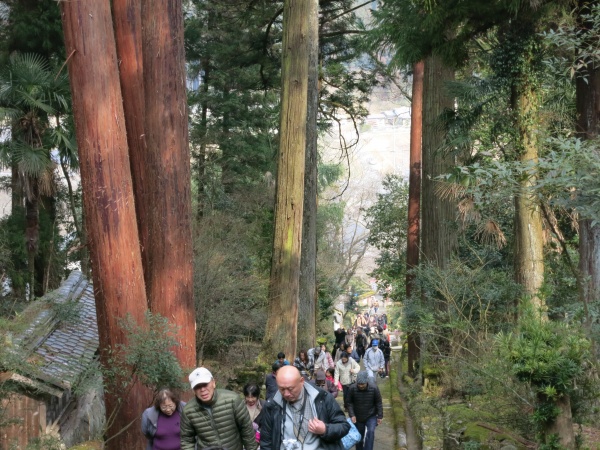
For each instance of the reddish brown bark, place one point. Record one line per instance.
(169, 274)
(108, 196)
(127, 16)
(414, 201)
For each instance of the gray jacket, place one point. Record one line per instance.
(150, 422)
(374, 360)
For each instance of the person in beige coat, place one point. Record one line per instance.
(346, 370)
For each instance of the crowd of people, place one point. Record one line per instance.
(299, 411)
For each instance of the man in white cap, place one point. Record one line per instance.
(216, 417)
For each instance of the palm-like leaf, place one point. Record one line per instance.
(32, 161)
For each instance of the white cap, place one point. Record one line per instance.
(199, 376)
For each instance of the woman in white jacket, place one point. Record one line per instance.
(346, 370)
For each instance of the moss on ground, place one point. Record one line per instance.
(91, 445)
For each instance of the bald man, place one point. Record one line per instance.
(301, 415)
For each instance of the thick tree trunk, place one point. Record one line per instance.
(562, 426)
(281, 332)
(127, 17)
(438, 215)
(307, 307)
(108, 201)
(529, 241)
(169, 275)
(414, 202)
(588, 127)
(439, 231)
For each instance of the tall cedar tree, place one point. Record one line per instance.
(234, 48)
(152, 78)
(588, 126)
(281, 332)
(108, 201)
(414, 201)
(307, 307)
(169, 260)
(446, 28)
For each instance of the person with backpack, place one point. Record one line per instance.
(361, 343)
(386, 349)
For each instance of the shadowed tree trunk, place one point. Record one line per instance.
(438, 215)
(307, 307)
(32, 231)
(414, 202)
(439, 232)
(588, 126)
(169, 275)
(281, 330)
(529, 241)
(108, 201)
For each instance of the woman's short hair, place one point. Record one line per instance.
(280, 355)
(165, 394)
(251, 390)
(303, 352)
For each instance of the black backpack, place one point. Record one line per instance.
(385, 347)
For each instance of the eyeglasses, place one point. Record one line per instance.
(167, 406)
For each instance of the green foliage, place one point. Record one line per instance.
(234, 51)
(387, 222)
(550, 357)
(469, 302)
(571, 170)
(32, 27)
(146, 357)
(230, 277)
(574, 41)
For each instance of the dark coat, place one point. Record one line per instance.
(327, 410)
(271, 385)
(364, 404)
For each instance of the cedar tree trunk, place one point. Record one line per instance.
(281, 331)
(307, 307)
(127, 17)
(169, 274)
(439, 232)
(529, 240)
(588, 127)
(108, 198)
(414, 202)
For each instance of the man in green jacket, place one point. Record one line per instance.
(216, 417)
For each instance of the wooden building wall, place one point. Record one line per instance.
(27, 418)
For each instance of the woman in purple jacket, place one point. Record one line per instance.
(161, 422)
